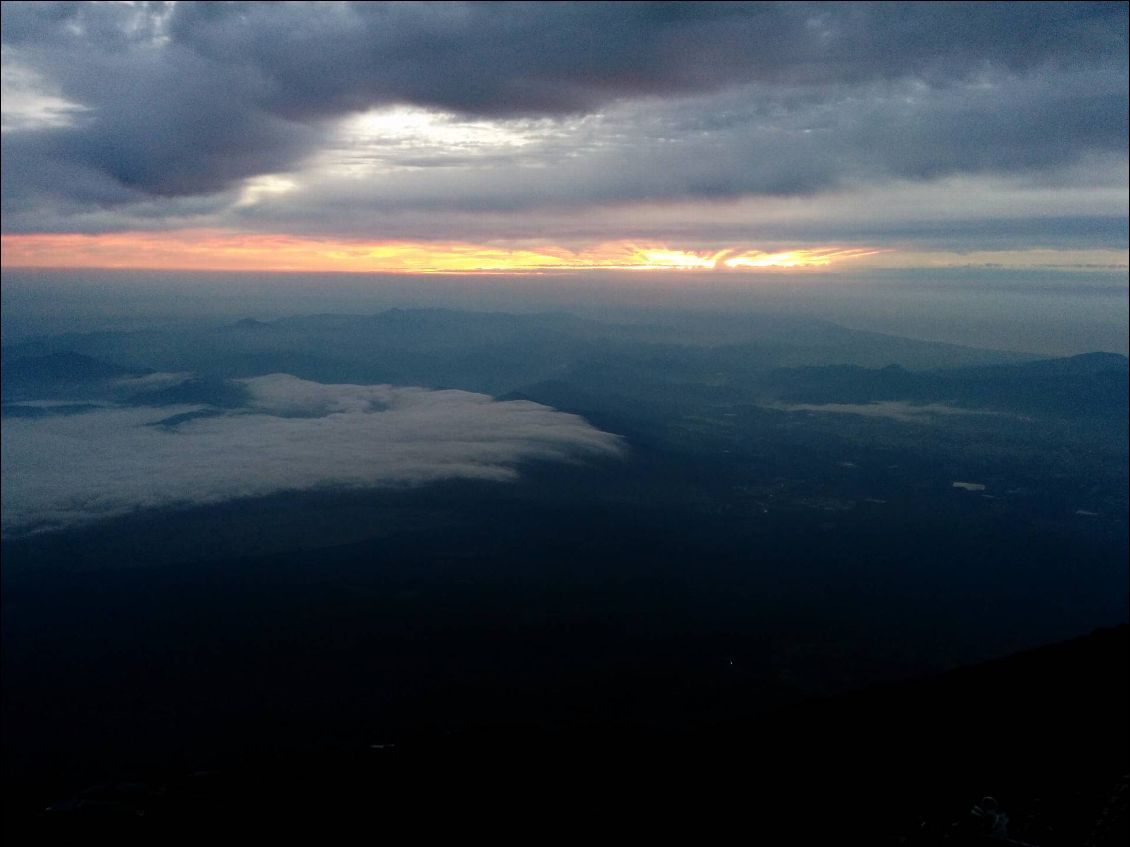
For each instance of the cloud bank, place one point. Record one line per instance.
(431, 118)
(293, 435)
(897, 410)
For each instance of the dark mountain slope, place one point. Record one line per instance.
(1041, 734)
(1094, 384)
(37, 376)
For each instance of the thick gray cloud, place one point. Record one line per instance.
(314, 59)
(65, 470)
(184, 102)
(736, 144)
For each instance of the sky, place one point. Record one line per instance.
(418, 138)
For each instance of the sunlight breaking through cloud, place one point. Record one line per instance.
(227, 251)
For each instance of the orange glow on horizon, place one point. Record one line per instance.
(213, 250)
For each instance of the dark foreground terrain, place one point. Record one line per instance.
(1031, 749)
(750, 622)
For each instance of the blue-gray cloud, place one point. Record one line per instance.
(699, 100)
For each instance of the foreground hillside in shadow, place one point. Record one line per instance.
(213, 619)
(1031, 749)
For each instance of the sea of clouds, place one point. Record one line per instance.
(66, 470)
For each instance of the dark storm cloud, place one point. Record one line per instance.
(500, 59)
(188, 100)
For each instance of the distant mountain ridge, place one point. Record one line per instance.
(527, 347)
(555, 356)
(1091, 383)
(43, 376)
(66, 366)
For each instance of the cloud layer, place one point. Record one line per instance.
(66, 470)
(304, 117)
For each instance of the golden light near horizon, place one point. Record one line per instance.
(210, 250)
